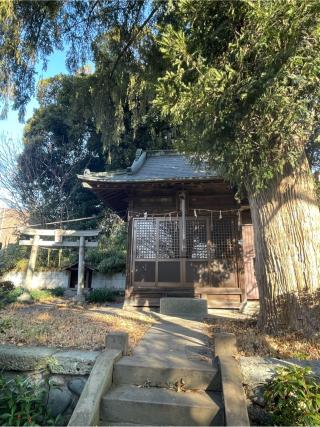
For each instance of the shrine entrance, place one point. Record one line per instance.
(200, 252)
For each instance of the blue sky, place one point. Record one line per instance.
(10, 127)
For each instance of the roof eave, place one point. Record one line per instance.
(86, 178)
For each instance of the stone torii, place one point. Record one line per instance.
(59, 241)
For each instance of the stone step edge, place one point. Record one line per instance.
(145, 362)
(115, 394)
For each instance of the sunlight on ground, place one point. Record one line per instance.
(252, 342)
(62, 325)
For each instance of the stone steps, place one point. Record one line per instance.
(144, 384)
(130, 404)
(162, 372)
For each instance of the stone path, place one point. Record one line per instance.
(169, 380)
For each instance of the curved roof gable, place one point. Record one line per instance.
(155, 166)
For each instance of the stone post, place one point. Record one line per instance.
(81, 268)
(32, 261)
(118, 341)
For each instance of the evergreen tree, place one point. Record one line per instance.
(243, 85)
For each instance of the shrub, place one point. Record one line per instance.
(293, 397)
(57, 292)
(110, 256)
(6, 286)
(101, 295)
(23, 403)
(13, 295)
(8, 293)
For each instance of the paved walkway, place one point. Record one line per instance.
(174, 339)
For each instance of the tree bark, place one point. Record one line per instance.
(286, 222)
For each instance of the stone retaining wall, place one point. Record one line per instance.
(54, 279)
(67, 370)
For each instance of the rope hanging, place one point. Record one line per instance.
(145, 215)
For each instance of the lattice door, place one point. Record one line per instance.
(169, 268)
(145, 250)
(196, 263)
(223, 250)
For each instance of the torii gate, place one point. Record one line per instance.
(58, 242)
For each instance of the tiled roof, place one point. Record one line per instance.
(156, 166)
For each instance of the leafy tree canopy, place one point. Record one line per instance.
(243, 84)
(60, 140)
(32, 30)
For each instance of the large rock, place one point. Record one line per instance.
(13, 358)
(59, 400)
(258, 370)
(76, 385)
(73, 362)
(25, 298)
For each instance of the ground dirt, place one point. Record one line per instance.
(251, 341)
(61, 324)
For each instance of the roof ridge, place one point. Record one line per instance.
(168, 152)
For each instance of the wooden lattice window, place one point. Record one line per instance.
(146, 247)
(169, 240)
(197, 239)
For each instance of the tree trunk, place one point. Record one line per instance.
(286, 222)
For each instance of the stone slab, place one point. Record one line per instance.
(87, 411)
(160, 406)
(13, 358)
(73, 362)
(236, 413)
(195, 308)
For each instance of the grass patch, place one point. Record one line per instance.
(68, 326)
(43, 295)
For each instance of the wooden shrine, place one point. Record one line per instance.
(185, 231)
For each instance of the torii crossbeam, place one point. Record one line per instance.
(59, 241)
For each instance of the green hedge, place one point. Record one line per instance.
(102, 295)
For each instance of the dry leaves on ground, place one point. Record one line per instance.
(252, 342)
(61, 325)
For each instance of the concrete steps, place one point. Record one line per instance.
(161, 406)
(144, 392)
(163, 372)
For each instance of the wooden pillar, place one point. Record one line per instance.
(32, 261)
(183, 223)
(81, 267)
